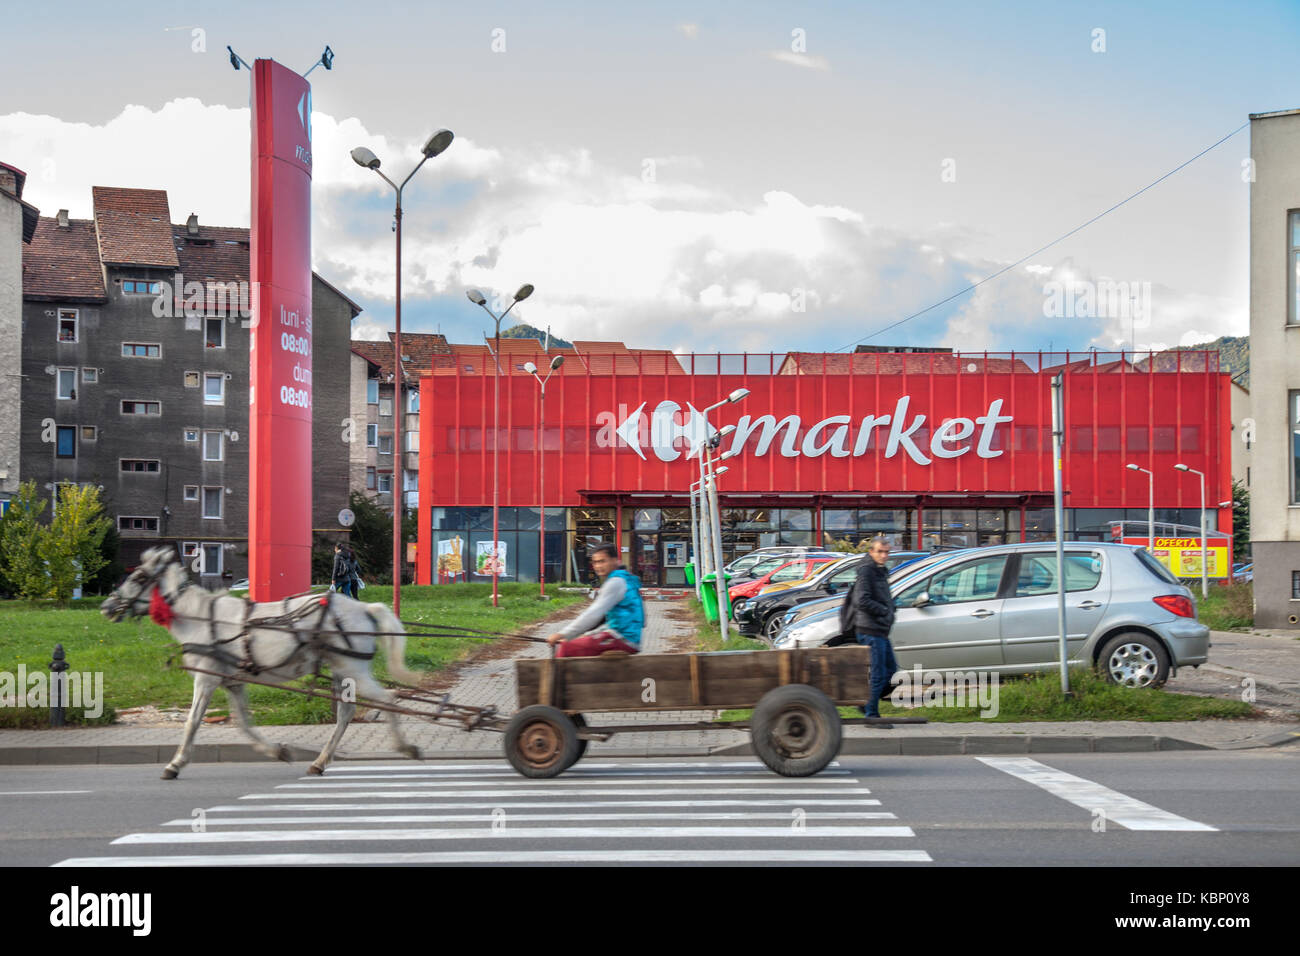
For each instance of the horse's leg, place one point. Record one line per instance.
(204, 685)
(239, 706)
(345, 711)
(367, 686)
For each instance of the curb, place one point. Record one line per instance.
(952, 745)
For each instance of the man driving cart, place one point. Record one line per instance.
(614, 620)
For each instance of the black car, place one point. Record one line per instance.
(759, 614)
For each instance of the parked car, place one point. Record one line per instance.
(760, 615)
(767, 565)
(791, 570)
(745, 562)
(1242, 573)
(995, 609)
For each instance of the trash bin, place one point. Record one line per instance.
(690, 573)
(710, 592)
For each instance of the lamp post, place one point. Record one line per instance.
(478, 298)
(695, 542)
(1205, 571)
(363, 157)
(531, 369)
(1151, 507)
(720, 586)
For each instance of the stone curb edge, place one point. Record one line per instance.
(853, 746)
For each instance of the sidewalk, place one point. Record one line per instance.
(1271, 660)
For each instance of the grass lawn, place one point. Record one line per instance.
(133, 655)
(1229, 607)
(1038, 697)
(708, 636)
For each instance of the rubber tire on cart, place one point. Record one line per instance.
(541, 741)
(581, 723)
(796, 730)
(1134, 659)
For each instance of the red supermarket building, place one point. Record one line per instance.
(930, 448)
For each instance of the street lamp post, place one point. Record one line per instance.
(363, 157)
(1151, 507)
(478, 298)
(531, 369)
(695, 542)
(735, 396)
(1205, 571)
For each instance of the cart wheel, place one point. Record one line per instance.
(541, 741)
(580, 722)
(795, 730)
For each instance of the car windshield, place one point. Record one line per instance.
(766, 566)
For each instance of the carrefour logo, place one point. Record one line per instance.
(902, 430)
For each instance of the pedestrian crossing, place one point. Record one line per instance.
(482, 812)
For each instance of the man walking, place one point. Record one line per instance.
(873, 619)
(616, 615)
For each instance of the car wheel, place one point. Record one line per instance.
(771, 628)
(795, 730)
(1134, 660)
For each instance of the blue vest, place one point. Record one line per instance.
(628, 616)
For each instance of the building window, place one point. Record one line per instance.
(372, 436)
(139, 287)
(141, 408)
(191, 379)
(1293, 262)
(89, 432)
(372, 391)
(191, 434)
(1295, 585)
(189, 549)
(141, 350)
(412, 441)
(67, 387)
(385, 444)
(212, 502)
(147, 465)
(66, 441)
(214, 388)
(386, 406)
(1293, 400)
(214, 333)
(413, 401)
(90, 375)
(370, 479)
(67, 325)
(385, 484)
(214, 446)
(136, 523)
(191, 492)
(211, 559)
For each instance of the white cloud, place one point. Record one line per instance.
(689, 30)
(668, 263)
(805, 60)
(366, 329)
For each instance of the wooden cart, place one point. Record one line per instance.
(795, 729)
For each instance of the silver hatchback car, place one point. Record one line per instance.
(995, 609)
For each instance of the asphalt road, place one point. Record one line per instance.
(1163, 809)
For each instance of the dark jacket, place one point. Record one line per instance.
(872, 603)
(342, 567)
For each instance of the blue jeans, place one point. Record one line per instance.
(883, 667)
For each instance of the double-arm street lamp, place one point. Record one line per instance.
(1205, 572)
(1151, 507)
(478, 298)
(531, 369)
(363, 157)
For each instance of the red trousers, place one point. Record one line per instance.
(592, 645)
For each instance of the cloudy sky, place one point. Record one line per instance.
(758, 176)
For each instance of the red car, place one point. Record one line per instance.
(793, 570)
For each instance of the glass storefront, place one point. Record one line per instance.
(657, 541)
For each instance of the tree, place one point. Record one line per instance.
(1240, 521)
(20, 533)
(72, 541)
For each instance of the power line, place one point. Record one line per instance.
(1049, 245)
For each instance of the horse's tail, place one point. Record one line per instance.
(393, 640)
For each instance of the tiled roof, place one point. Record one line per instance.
(134, 227)
(378, 353)
(216, 254)
(422, 347)
(896, 363)
(63, 264)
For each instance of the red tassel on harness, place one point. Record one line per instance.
(159, 610)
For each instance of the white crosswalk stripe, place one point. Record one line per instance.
(481, 812)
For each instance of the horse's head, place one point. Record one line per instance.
(131, 598)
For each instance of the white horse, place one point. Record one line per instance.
(220, 633)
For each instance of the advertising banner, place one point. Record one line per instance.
(280, 341)
(489, 561)
(1182, 556)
